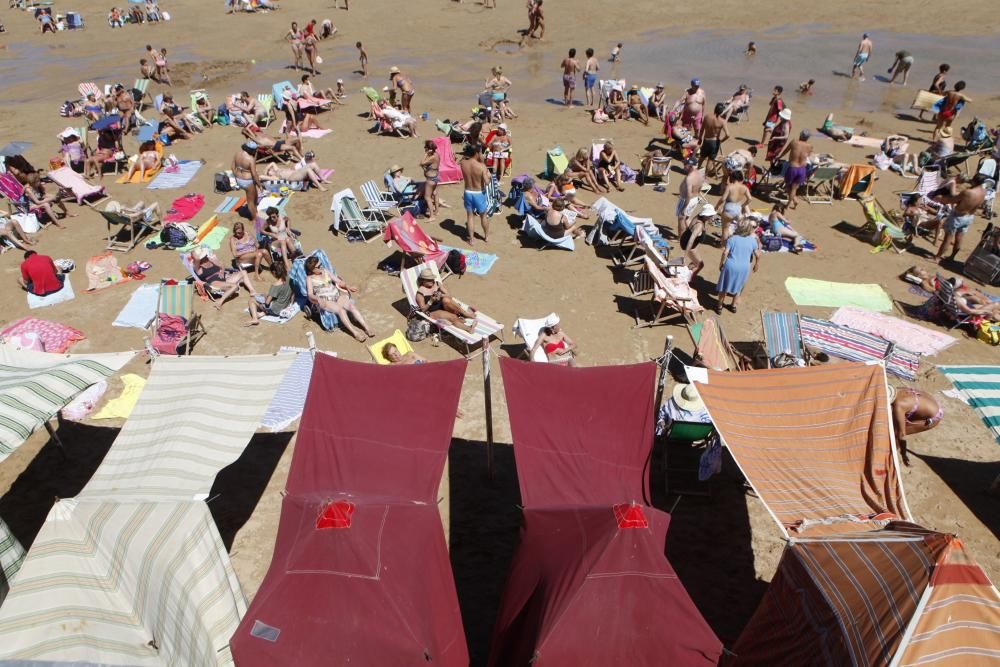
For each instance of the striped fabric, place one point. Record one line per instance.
(290, 398)
(36, 385)
(712, 347)
(194, 417)
(781, 333)
(178, 178)
(11, 555)
(124, 583)
(855, 345)
(981, 385)
(177, 299)
(815, 443)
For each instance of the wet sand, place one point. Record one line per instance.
(725, 547)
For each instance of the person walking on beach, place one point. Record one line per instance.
(363, 57)
(938, 84)
(569, 67)
(713, 133)
(772, 118)
(294, 37)
(966, 203)
(475, 176)
(901, 65)
(536, 19)
(245, 172)
(951, 106)
(690, 191)
(862, 55)
(590, 70)
(797, 172)
(740, 257)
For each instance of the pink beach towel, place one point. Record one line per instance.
(905, 334)
(55, 337)
(184, 208)
(448, 170)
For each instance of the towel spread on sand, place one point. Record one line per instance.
(981, 386)
(808, 292)
(54, 336)
(177, 176)
(140, 309)
(65, 294)
(476, 262)
(184, 208)
(211, 240)
(905, 334)
(231, 204)
(316, 134)
(121, 406)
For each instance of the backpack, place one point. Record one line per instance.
(417, 329)
(173, 236)
(772, 244)
(456, 262)
(223, 182)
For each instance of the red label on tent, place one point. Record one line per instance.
(630, 516)
(336, 515)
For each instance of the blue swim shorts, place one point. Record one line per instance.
(475, 202)
(958, 223)
(860, 59)
(589, 80)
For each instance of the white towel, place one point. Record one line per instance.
(140, 309)
(65, 294)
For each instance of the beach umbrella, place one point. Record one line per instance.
(15, 148)
(106, 122)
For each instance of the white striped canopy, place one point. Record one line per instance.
(11, 555)
(124, 583)
(194, 417)
(34, 386)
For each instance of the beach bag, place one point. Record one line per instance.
(417, 329)
(456, 262)
(67, 109)
(223, 183)
(989, 332)
(173, 236)
(772, 243)
(222, 115)
(169, 333)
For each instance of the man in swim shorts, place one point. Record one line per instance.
(590, 76)
(569, 67)
(475, 175)
(797, 173)
(713, 133)
(690, 190)
(861, 57)
(966, 204)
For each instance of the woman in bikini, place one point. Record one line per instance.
(609, 167)
(282, 238)
(558, 347)
(913, 411)
(405, 87)
(557, 224)
(431, 165)
(148, 160)
(162, 69)
(310, 47)
(211, 273)
(953, 102)
(498, 145)
(308, 172)
(733, 204)
(579, 169)
(498, 85)
(245, 248)
(329, 292)
(433, 299)
(294, 37)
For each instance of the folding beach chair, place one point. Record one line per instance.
(88, 88)
(782, 335)
(486, 326)
(138, 224)
(671, 296)
(881, 229)
(398, 339)
(297, 279)
(621, 226)
(405, 198)
(349, 216)
(267, 102)
(945, 294)
(85, 193)
(821, 185)
(657, 169)
(18, 203)
(534, 229)
(712, 348)
(647, 244)
(415, 244)
(555, 162)
(176, 301)
(377, 199)
(382, 123)
(528, 331)
(142, 86)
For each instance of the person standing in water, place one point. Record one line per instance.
(862, 55)
(590, 70)
(569, 68)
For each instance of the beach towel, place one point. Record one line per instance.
(81, 406)
(11, 557)
(68, 179)
(865, 142)
(476, 262)
(140, 309)
(809, 292)
(282, 317)
(448, 169)
(121, 406)
(65, 294)
(290, 398)
(103, 271)
(184, 208)
(905, 334)
(55, 337)
(316, 134)
(139, 177)
(230, 204)
(210, 235)
(177, 176)
(981, 386)
(854, 345)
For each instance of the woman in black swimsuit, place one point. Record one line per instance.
(211, 273)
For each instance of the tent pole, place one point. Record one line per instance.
(488, 401)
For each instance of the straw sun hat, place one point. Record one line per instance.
(686, 397)
(426, 274)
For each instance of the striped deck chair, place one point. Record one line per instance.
(782, 334)
(17, 202)
(415, 244)
(671, 295)
(267, 101)
(853, 345)
(349, 216)
(494, 197)
(377, 199)
(486, 326)
(880, 228)
(297, 277)
(821, 185)
(176, 298)
(142, 85)
(713, 349)
(88, 88)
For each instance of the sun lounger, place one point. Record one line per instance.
(671, 295)
(713, 349)
(138, 224)
(17, 202)
(415, 244)
(88, 88)
(533, 228)
(486, 327)
(84, 192)
(169, 335)
(349, 216)
(528, 331)
(782, 334)
(398, 339)
(142, 85)
(297, 278)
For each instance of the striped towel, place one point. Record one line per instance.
(230, 204)
(911, 336)
(781, 333)
(855, 345)
(290, 398)
(176, 177)
(140, 309)
(981, 385)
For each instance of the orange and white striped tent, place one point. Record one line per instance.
(815, 444)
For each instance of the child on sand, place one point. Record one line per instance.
(616, 54)
(363, 57)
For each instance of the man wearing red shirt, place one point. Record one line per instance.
(39, 274)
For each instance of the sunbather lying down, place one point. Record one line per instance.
(969, 300)
(836, 132)
(305, 171)
(11, 230)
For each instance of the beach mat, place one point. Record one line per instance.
(230, 204)
(63, 295)
(140, 309)
(137, 177)
(476, 262)
(316, 134)
(981, 386)
(809, 292)
(213, 239)
(55, 337)
(177, 176)
(853, 345)
(905, 334)
(184, 208)
(865, 142)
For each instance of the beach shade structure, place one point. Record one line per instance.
(903, 595)
(112, 121)
(15, 148)
(360, 572)
(589, 583)
(815, 443)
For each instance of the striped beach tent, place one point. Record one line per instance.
(815, 443)
(981, 385)
(34, 386)
(903, 595)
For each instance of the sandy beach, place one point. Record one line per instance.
(726, 547)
